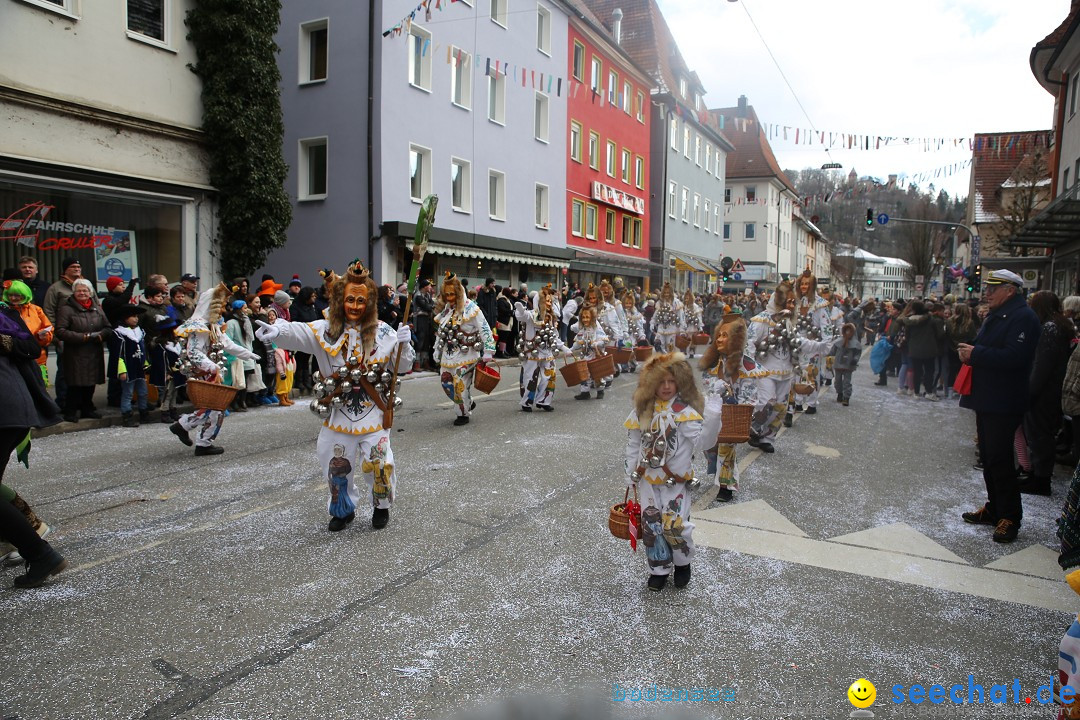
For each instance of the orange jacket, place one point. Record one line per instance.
(36, 321)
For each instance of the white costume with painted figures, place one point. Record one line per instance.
(666, 321)
(460, 341)
(588, 343)
(537, 345)
(776, 364)
(812, 325)
(197, 338)
(830, 331)
(744, 391)
(354, 428)
(690, 324)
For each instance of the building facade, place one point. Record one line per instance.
(112, 173)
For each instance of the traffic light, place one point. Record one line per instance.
(869, 217)
(978, 278)
(755, 284)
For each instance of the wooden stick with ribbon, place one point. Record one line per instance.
(424, 222)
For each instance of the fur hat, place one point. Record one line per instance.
(653, 374)
(806, 275)
(736, 345)
(778, 300)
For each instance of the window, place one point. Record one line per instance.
(312, 170)
(577, 217)
(496, 195)
(749, 231)
(496, 97)
(612, 87)
(637, 233)
(708, 158)
(419, 57)
(708, 215)
(685, 204)
(148, 20)
(682, 87)
(727, 195)
(579, 61)
(313, 51)
(609, 227)
(590, 221)
(697, 210)
(716, 221)
(596, 82)
(460, 185)
(1065, 179)
(63, 7)
(624, 101)
(1076, 169)
(543, 217)
(460, 78)
(594, 150)
(686, 140)
(639, 107)
(674, 134)
(419, 172)
(575, 141)
(1075, 88)
(627, 230)
(543, 29)
(751, 193)
(672, 198)
(626, 159)
(611, 150)
(540, 117)
(697, 149)
(639, 172)
(727, 231)
(498, 12)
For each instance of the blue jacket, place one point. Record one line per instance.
(1002, 359)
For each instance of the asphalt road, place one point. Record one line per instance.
(208, 587)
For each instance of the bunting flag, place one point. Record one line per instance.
(903, 180)
(405, 24)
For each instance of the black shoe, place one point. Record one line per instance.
(144, 415)
(977, 465)
(379, 518)
(473, 406)
(461, 420)
(209, 449)
(71, 418)
(583, 396)
(753, 442)
(1023, 476)
(828, 382)
(765, 446)
(129, 421)
(788, 419)
(981, 516)
(798, 408)
(91, 415)
(1035, 486)
(846, 403)
(881, 384)
(811, 411)
(526, 408)
(179, 431)
(165, 417)
(682, 575)
(599, 394)
(338, 524)
(839, 399)
(724, 494)
(42, 569)
(1006, 531)
(174, 414)
(546, 408)
(657, 582)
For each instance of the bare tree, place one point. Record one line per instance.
(1023, 196)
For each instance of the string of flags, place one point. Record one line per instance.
(405, 24)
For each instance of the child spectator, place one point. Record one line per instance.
(846, 353)
(127, 362)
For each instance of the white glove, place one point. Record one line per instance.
(519, 306)
(714, 403)
(404, 335)
(266, 332)
(488, 355)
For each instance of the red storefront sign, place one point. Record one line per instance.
(618, 198)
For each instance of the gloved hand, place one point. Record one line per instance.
(266, 332)
(714, 403)
(519, 306)
(404, 335)
(488, 355)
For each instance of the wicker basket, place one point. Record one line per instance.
(735, 424)
(602, 366)
(702, 338)
(803, 388)
(643, 352)
(575, 373)
(621, 355)
(618, 519)
(486, 377)
(682, 341)
(211, 396)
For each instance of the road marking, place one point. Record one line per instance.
(902, 537)
(755, 514)
(1036, 560)
(821, 450)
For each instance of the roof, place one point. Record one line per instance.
(586, 14)
(1047, 50)
(753, 156)
(995, 160)
(860, 254)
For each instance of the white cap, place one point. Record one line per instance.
(1004, 277)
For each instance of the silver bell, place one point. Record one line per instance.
(325, 411)
(314, 407)
(355, 374)
(221, 364)
(337, 401)
(319, 389)
(478, 346)
(398, 402)
(386, 377)
(635, 475)
(352, 360)
(655, 461)
(669, 482)
(346, 386)
(217, 346)
(379, 387)
(316, 376)
(376, 367)
(647, 436)
(372, 376)
(330, 386)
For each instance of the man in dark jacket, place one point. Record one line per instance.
(487, 298)
(1000, 360)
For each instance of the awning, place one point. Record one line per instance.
(497, 255)
(686, 262)
(1057, 224)
(602, 261)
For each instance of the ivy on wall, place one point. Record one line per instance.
(236, 60)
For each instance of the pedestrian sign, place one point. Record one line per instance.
(738, 266)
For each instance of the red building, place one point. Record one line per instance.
(607, 186)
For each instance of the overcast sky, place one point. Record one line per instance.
(919, 68)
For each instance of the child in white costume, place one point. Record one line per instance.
(691, 320)
(731, 374)
(462, 338)
(635, 326)
(202, 357)
(355, 352)
(589, 342)
(537, 344)
(770, 336)
(670, 421)
(811, 323)
(667, 319)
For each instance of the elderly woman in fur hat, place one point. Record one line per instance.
(463, 339)
(204, 343)
(537, 345)
(729, 372)
(670, 421)
(667, 319)
(355, 352)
